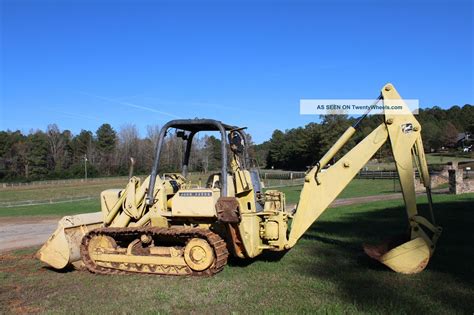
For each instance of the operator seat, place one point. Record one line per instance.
(214, 181)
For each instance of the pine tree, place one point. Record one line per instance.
(106, 142)
(38, 155)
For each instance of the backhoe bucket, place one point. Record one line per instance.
(63, 246)
(409, 257)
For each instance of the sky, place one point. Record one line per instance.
(83, 63)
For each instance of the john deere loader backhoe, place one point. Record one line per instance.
(169, 226)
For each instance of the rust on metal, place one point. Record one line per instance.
(182, 235)
(236, 245)
(377, 251)
(228, 210)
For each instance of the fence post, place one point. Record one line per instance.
(455, 181)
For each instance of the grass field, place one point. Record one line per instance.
(59, 191)
(59, 209)
(326, 272)
(358, 187)
(40, 192)
(431, 158)
(441, 158)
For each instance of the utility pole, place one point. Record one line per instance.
(85, 167)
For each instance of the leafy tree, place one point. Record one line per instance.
(9, 167)
(431, 135)
(82, 143)
(212, 153)
(449, 135)
(275, 157)
(57, 142)
(260, 153)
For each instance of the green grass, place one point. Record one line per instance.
(58, 209)
(42, 193)
(73, 189)
(58, 191)
(442, 158)
(357, 188)
(326, 272)
(431, 158)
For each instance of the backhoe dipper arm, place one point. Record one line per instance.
(321, 188)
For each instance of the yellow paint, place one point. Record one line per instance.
(410, 257)
(62, 247)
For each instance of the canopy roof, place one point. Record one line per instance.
(195, 125)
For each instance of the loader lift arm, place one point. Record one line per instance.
(320, 189)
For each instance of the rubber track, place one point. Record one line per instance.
(183, 234)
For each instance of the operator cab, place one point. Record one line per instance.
(188, 199)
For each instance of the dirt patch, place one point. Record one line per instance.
(17, 263)
(16, 305)
(9, 256)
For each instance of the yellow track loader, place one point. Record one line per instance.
(167, 225)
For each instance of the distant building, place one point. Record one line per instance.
(464, 139)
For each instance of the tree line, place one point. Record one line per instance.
(55, 153)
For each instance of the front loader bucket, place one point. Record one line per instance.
(63, 246)
(408, 257)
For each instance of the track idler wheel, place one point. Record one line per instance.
(198, 254)
(99, 244)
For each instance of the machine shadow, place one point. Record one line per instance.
(67, 269)
(368, 283)
(265, 256)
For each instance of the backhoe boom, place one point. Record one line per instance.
(321, 188)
